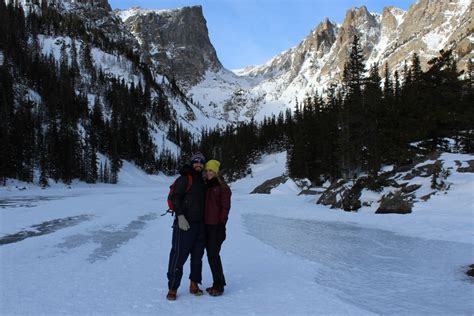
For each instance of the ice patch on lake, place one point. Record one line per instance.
(109, 240)
(374, 269)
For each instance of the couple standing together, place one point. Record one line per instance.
(201, 203)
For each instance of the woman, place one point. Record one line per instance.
(215, 217)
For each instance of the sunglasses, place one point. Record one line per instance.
(198, 161)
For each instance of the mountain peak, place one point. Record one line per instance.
(176, 41)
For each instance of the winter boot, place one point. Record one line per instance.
(194, 289)
(215, 290)
(171, 295)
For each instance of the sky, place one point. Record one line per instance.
(251, 32)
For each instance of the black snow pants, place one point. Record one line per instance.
(183, 244)
(215, 236)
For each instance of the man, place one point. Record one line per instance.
(188, 227)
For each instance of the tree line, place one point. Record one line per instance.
(364, 122)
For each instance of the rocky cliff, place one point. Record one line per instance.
(392, 37)
(175, 41)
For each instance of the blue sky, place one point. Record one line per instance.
(250, 32)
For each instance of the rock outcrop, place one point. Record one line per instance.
(397, 203)
(175, 41)
(267, 186)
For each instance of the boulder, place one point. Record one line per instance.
(426, 197)
(351, 199)
(309, 192)
(396, 203)
(469, 168)
(424, 171)
(429, 169)
(470, 272)
(410, 188)
(267, 186)
(340, 196)
(330, 196)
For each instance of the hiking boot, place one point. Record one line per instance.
(194, 289)
(171, 295)
(215, 291)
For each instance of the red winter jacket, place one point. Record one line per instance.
(217, 203)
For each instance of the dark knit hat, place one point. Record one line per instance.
(197, 157)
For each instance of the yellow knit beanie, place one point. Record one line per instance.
(213, 165)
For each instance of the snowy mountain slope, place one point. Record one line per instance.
(115, 64)
(106, 251)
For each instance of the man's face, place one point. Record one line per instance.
(198, 165)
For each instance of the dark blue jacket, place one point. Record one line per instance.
(191, 203)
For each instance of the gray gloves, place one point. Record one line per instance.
(183, 223)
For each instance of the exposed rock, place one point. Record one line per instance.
(309, 192)
(397, 203)
(426, 197)
(470, 272)
(176, 41)
(351, 199)
(340, 196)
(426, 170)
(267, 186)
(406, 166)
(429, 169)
(469, 168)
(433, 155)
(409, 176)
(410, 188)
(329, 197)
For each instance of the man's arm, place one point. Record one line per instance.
(178, 195)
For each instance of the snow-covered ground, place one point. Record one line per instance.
(104, 249)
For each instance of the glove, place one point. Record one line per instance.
(183, 223)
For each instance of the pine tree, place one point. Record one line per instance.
(415, 70)
(351, 117)
(86, 57)
(354, 70)
(74, 63)
(373, 137)
(43, 180)
(64, 57)
(387, 85)
(7, 162)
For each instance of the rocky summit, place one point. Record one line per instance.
(175, 41)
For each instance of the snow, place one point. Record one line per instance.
(269, 167)
(124, 15)
(435, 41)
(284, 255)
(115, 66)
(399, 15)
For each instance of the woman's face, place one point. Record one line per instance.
(210, 174)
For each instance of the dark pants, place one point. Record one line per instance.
(183, 244)
(215, 236)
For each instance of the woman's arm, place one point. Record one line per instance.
(225, 204)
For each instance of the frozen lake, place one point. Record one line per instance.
(374, 269)
(104, 249)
